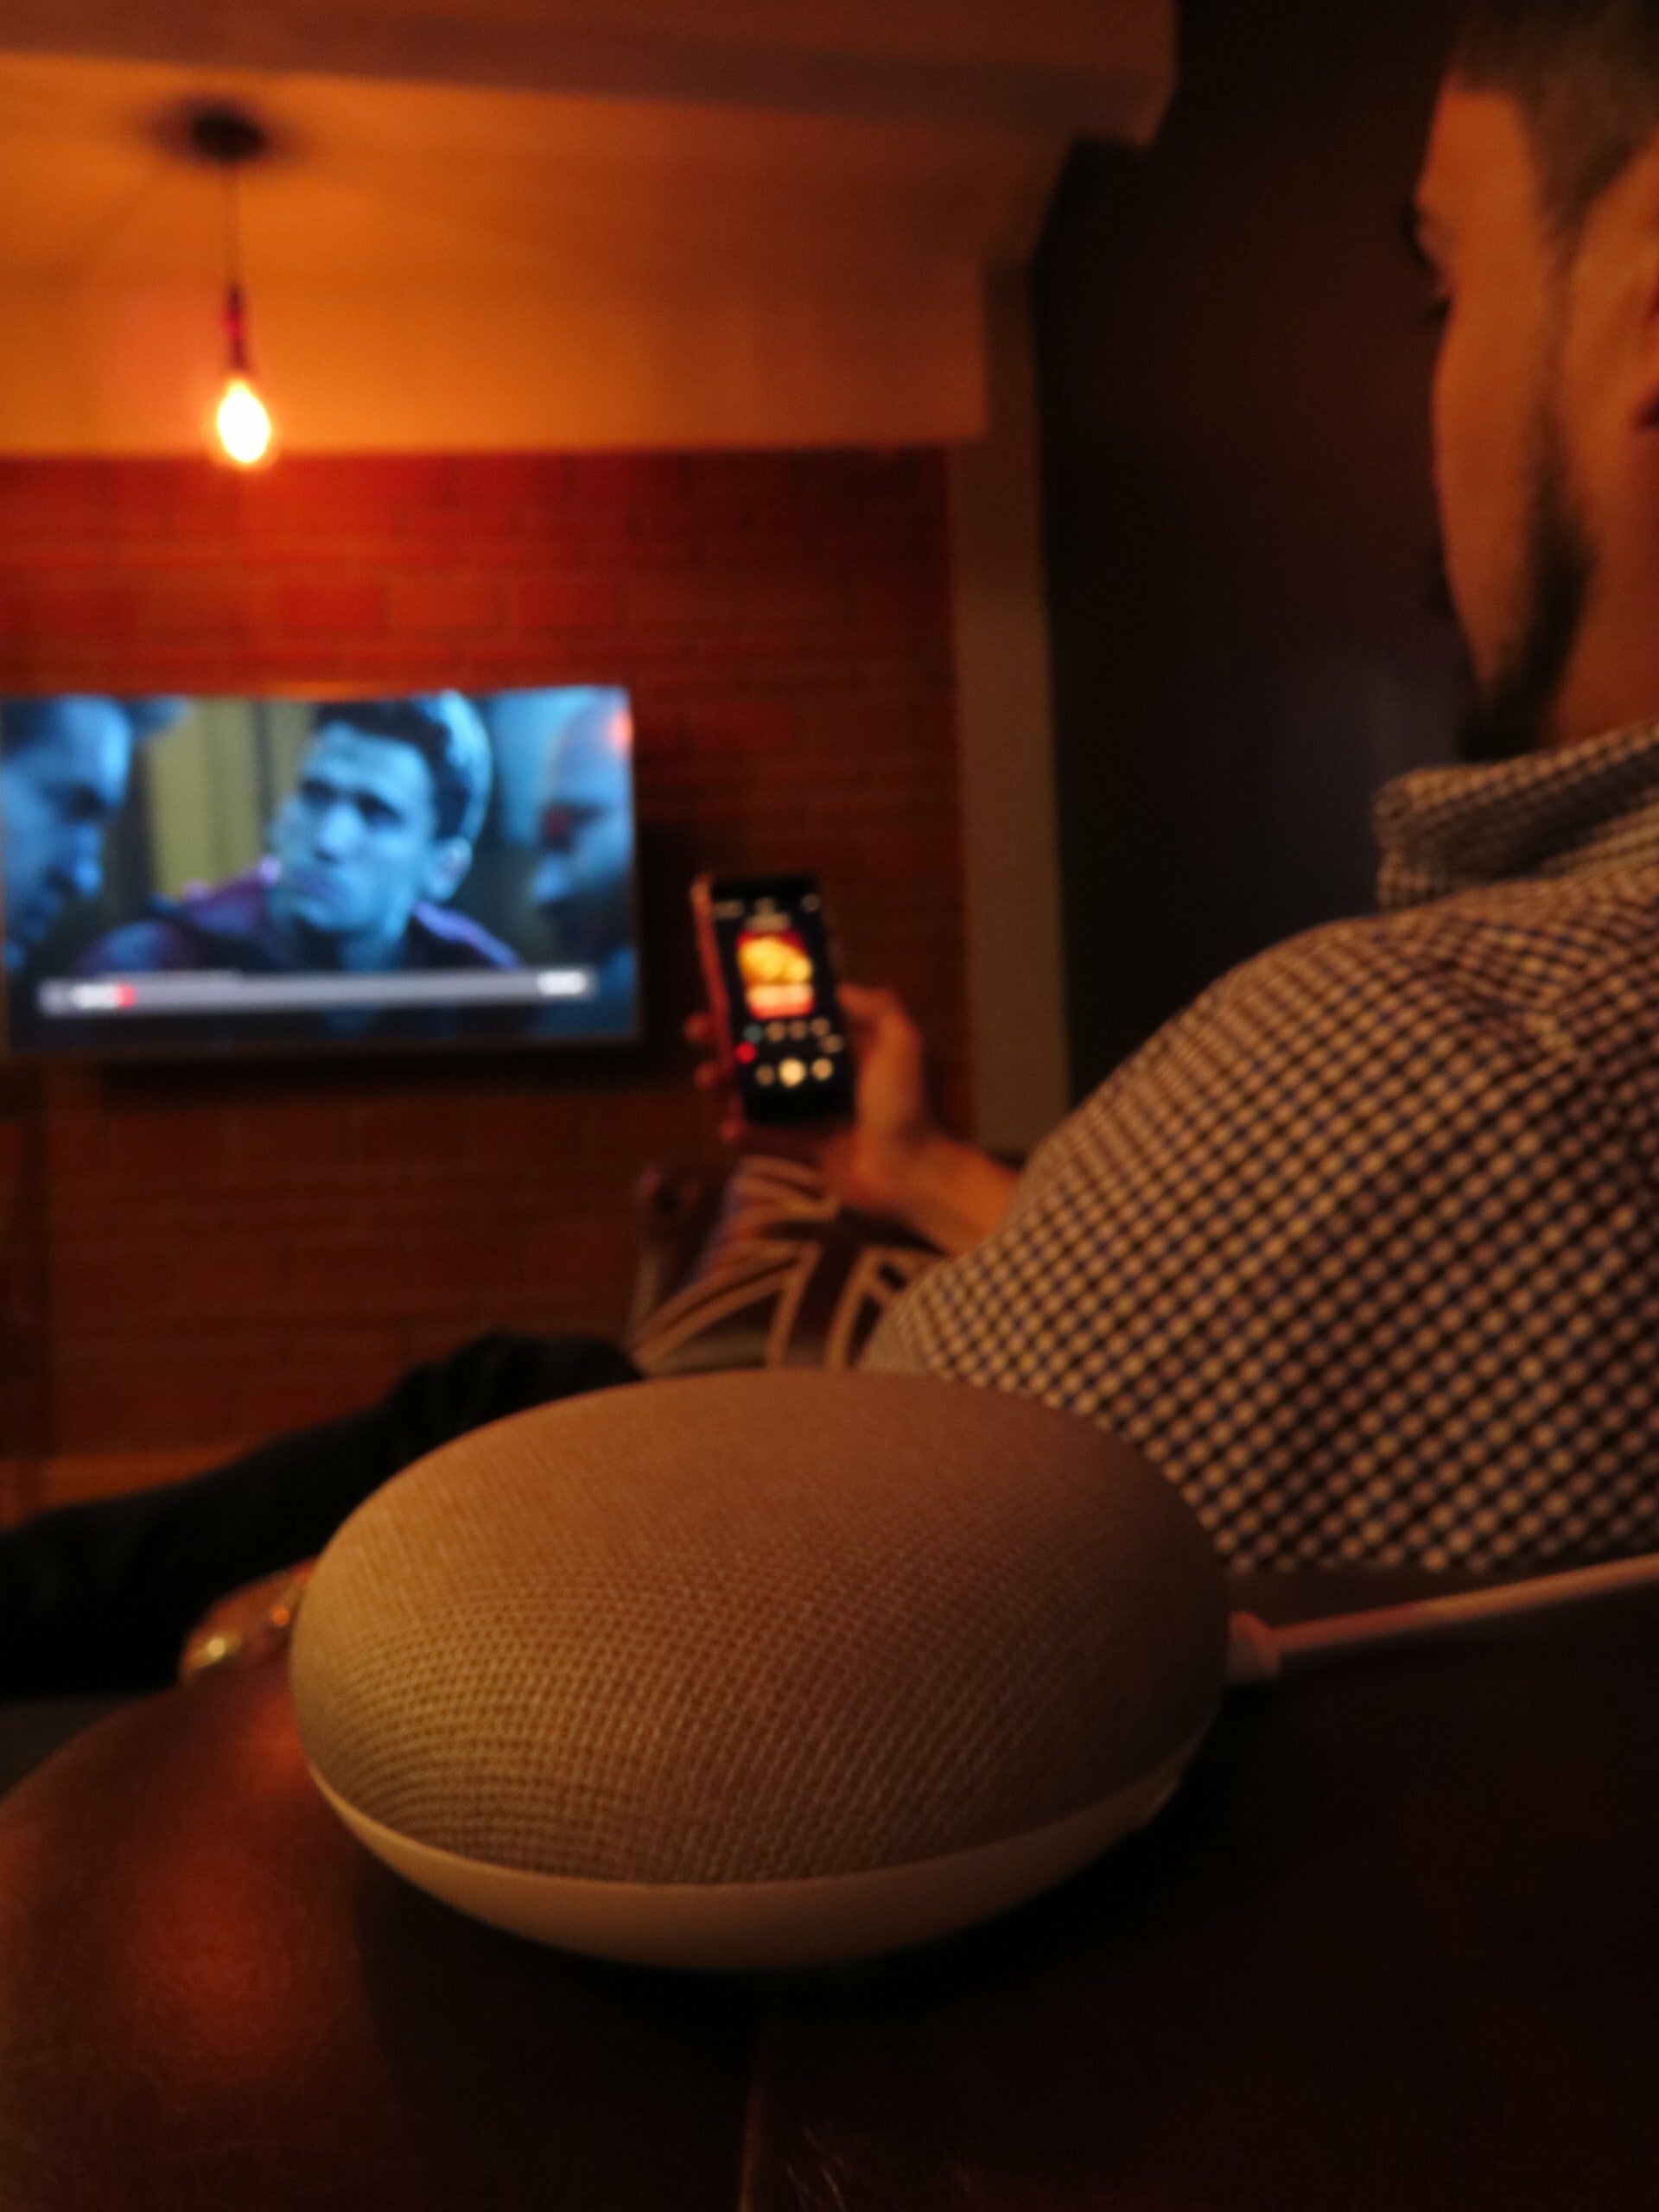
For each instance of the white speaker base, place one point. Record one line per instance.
(751, 1926)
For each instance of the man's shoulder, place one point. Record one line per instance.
(204, 927)
(440, 938)
(240, 907)
(145, 948)
(1531, 945)
(1503, 999)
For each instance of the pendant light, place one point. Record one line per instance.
(243, 433)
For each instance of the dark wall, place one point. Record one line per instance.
(1235, 369)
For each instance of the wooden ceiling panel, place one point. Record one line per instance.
(391, 179)
(1101, 66)
(543, 222)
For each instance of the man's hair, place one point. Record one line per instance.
(444, 728)
(1585, 74)
(24, 722)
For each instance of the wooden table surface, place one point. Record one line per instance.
(1396, 1945)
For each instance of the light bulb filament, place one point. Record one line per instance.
(243, 423)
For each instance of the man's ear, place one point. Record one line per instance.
(450, 861)
(1647, 341)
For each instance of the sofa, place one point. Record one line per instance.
(1393, 1943)
(751, 1265)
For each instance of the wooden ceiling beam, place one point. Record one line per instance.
(1078, 67)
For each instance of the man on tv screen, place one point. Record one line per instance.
(365, 850)
(582, 880)
(65, 763)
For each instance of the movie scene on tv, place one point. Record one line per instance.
(259, 872)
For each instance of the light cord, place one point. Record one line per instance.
(1257, 1653)
(232, 226)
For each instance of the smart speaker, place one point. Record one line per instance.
(759, 1669)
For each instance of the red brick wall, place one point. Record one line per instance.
(192, 1253)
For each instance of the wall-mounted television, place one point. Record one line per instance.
(235, 874)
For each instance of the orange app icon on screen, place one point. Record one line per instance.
(777, 971)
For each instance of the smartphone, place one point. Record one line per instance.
(769, 969)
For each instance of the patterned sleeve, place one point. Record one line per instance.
(1337, 1250)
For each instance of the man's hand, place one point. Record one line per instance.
(893, 1158)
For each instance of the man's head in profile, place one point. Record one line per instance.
(585, 830)
(1537, 217)
(389, 801)
(65, 765)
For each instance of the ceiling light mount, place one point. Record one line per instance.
(230, 139)
(227, 135)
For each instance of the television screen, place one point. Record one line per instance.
(225, 875)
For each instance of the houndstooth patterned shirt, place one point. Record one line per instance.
(1363, 1250)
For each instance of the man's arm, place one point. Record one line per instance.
(952, 1193)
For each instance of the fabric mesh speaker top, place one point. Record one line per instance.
(757, 1628)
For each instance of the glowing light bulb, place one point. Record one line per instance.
(243, 422)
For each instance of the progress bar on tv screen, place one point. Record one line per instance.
(215, 992)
